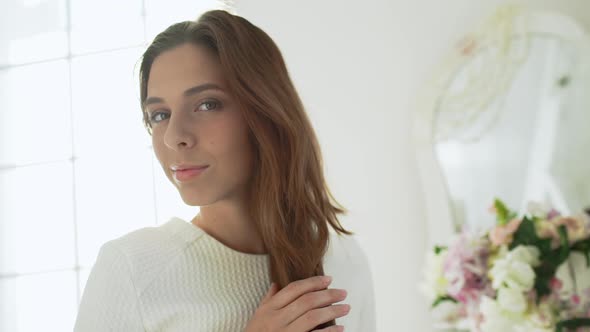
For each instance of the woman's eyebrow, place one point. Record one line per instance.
(189, 92)
(200, 88)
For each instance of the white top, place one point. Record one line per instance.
(176, 277)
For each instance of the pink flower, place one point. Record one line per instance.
(465, 269)
(576, 227)
(555, 284)
(553, 213)
(575, 299)
(502, 234)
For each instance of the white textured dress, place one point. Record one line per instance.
(176, 277)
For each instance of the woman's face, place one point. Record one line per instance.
(196, 122)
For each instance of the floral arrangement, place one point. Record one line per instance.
(526, 274)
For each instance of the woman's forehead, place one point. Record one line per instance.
(181, 68)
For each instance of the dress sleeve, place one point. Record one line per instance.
(368, 316)
(348, 262)
(110, 300)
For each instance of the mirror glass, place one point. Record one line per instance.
(514, 123)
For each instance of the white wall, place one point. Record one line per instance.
(357, 66)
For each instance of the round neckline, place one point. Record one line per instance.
(216, 242)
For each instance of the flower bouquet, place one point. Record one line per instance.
(526, 274)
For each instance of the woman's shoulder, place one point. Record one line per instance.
(347, 262)
(345, 250)
(124, 267)
(174, 232)
(148, 250)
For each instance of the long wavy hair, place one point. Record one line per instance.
(291, 203)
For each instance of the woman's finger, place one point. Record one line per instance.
(270, 293)
(297, 288)
(335, 328)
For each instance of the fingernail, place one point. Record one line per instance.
(327, 279)
(340, 328)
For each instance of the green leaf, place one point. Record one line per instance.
(503, 214)
(441, 299)
(572, 324)
(543, 276)
(551, 259)
(439, 249)
(565, 246)
(526, 234)
(583, 247)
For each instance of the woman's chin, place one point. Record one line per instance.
(194, 199)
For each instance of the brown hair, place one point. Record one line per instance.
(291, 203)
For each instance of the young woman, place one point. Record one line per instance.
(231, 134)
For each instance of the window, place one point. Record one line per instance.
(69, 120)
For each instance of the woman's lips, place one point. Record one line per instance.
(188, 174)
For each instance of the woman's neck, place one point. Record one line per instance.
(232, 226)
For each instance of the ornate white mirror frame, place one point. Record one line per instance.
(505, 25)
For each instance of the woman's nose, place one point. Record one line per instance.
(179, 134)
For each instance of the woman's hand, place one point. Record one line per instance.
(299, 307)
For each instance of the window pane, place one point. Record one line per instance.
(36, 218)
(35, 113)
(90, 33)
(84, 273)
(32, 31)
(168, 200)
(107, 114)
(114, 195)
(42, 302)
(160, 14)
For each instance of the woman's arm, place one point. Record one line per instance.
(110, 299)
(348, 263)
(368, 317)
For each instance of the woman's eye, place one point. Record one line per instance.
(208, 105)
(155, 117)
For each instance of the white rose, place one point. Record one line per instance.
(531, 324)
(526, 254)
(446, 311)
(494, 318)
(527, 327)
(541, 319)
(511, 300)
(434, 284)
(514, 270)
